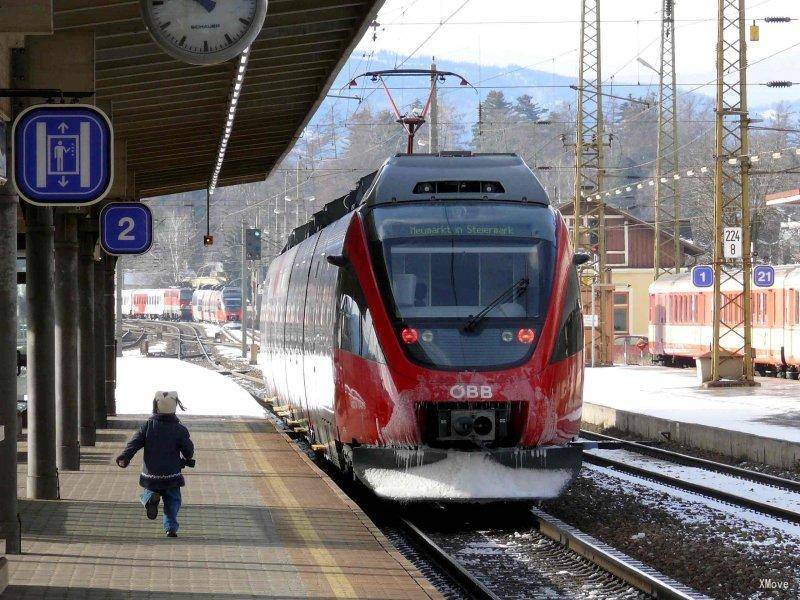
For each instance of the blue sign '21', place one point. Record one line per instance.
(764, 275)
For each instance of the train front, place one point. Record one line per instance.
(472, 389)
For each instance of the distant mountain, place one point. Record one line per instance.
(547, 89)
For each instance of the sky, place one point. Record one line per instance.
(544, 35)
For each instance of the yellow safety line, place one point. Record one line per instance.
(338, 581)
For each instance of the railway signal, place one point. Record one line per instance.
(253, 244)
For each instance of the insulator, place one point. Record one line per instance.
(779, 84)
(777, 19)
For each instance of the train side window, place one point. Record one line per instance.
(351, 308)
(570, 334)
(797, 307)
(349, 325)
(370, 347)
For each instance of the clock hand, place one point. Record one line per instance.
(209, 5)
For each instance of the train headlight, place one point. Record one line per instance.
(427, 336)
(507, 336)
(526, 336)
(482, 426)
(463, 425)
(409, 335)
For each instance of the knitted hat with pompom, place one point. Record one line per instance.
(165, 403)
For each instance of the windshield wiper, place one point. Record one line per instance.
(511, 293)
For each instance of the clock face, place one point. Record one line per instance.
(204, 31)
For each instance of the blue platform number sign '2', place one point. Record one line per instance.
(764, 275)
(702, 276)
(63, 154)
(126, 228)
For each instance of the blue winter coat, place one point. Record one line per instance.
(167, 446)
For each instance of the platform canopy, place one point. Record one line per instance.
(172, 114)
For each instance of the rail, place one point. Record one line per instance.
(631, 571)
(697, 488)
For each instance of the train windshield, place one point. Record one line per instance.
(232, 297)
(446, 264)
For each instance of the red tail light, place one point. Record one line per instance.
(409, 335)
(526, 336)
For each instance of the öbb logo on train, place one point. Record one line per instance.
(460, 391)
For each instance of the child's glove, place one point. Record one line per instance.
(122, 462)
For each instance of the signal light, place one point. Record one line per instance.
(208, 240)
(409, 335)
(525, 336)
(253, 244)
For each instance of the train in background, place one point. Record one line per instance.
(184, 304)
(425, 332)
(217, 306)
(681, 324)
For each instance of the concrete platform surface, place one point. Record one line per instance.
(760, 423)
(260, 520)
(771, 409)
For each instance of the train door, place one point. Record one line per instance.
(314, 356)
(295, 318)
(282, 331)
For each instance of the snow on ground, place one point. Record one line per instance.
(202, 391)
(692, 507)
(674, 394)
(229, 351)
(727, 483)
(466, 475)
(210, 329)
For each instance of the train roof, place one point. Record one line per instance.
(462, 176)
(418, 177)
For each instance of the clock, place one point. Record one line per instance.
(204, 32)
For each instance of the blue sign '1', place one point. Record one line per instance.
(702, 276)
(63, 154)
(126, 228)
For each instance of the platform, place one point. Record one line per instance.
(758, 423)
(260, 520)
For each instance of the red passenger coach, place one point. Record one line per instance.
(427, 328)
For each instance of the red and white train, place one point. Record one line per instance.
(184, 304)
(425, 331)
(680, 320)
(170, 304)
(217, 306)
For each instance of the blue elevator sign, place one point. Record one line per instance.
(126, 228)
(63, 154)
(703, 276)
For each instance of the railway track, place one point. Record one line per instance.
(738, 499)
(176, 333)
(557, 559)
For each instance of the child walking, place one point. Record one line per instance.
(167, 450)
